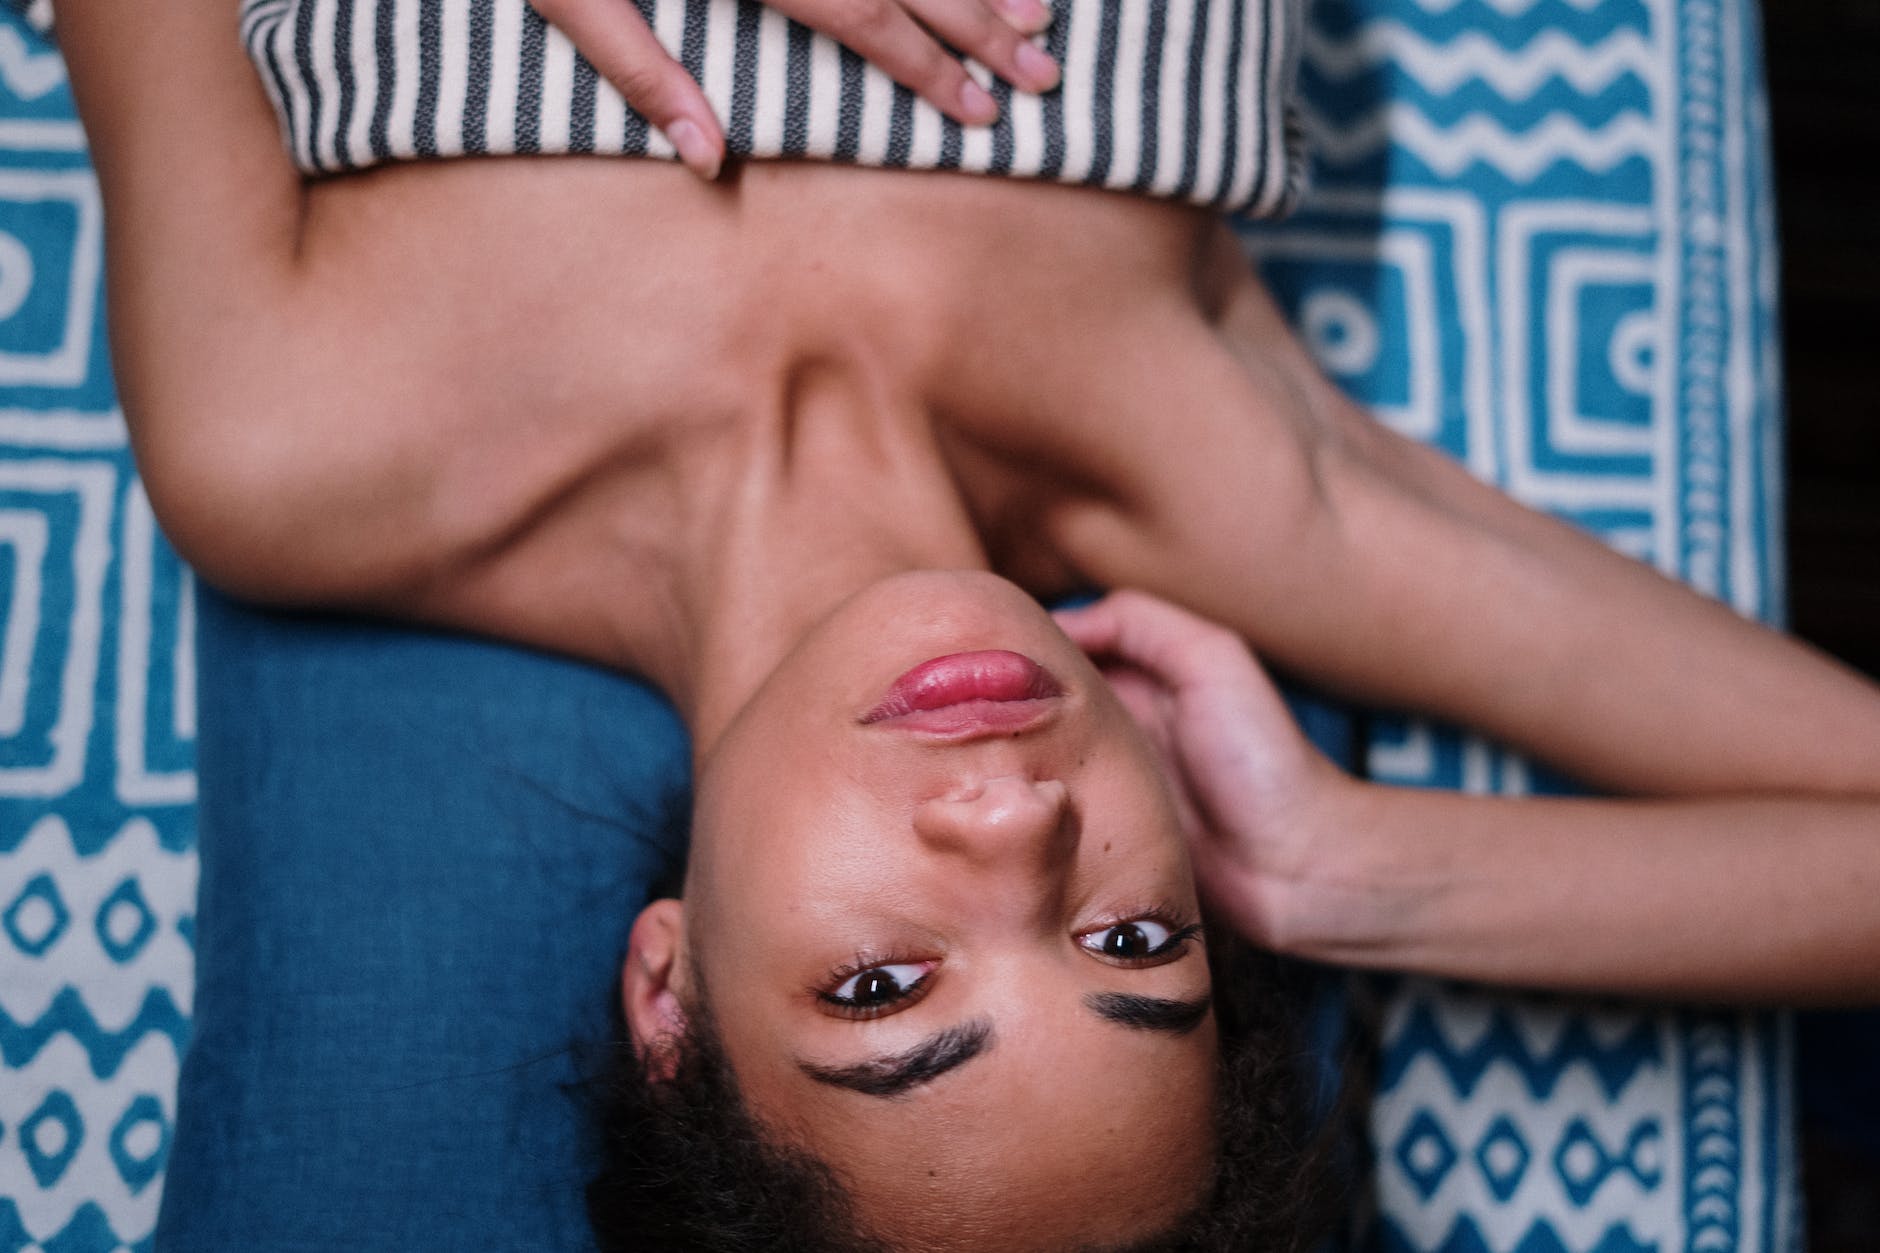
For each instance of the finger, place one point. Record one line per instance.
(1145, 699)
(623, 49)
(989, 38)
(1094, 629)
(882, 32)
(1175, 646)
(1026, 16)
(1091, 627)
(1029, 16)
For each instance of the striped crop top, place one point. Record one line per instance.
(1180, 99)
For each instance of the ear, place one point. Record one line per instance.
(654, 985)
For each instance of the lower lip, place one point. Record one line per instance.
(965, 693)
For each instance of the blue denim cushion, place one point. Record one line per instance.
(420, 858)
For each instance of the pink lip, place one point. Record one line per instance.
(963, 694)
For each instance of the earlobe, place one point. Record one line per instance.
(654, 985)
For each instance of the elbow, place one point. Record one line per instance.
(256, 511)
(223, 510)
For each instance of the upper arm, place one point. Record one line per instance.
(210, 318)
(1382, 570)
(186, 146)
(202, 206)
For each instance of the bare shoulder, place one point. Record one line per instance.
(458, 354)
(1209, 432)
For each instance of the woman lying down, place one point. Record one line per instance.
(803, 444)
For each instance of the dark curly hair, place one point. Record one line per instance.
(688, 1169)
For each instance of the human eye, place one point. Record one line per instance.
(1145, 941)
(869, 991)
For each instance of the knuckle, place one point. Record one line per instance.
(857, 20)
(1208, 632)
(935, 72)
(1133, 603)
(648, 86)
(977, 30)
(1224, 645)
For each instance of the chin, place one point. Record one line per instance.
(906, 618)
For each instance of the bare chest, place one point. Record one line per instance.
(598, 365)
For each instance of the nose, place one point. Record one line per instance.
(1000, 820)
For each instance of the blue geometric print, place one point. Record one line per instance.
(104, 1049)
(97, 828)
(1539, 238)
(37, 917)
(1510, 1039)
(1503, 1156)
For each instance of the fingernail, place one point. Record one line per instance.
(977, 104)
(1028, 15)
(694, 149)
(1040, 71)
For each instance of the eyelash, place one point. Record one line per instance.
(1180, 935)
(860, 964)
(1168, 915)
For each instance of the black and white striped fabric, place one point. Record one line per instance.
(1182, 99)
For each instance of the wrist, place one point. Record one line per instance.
(1357, 888)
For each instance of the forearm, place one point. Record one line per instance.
(1487, 613)
(1737, 900)
(1382, 569)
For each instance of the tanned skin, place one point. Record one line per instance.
(602, 407)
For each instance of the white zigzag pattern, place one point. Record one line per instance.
(112, 992)
(1521, 155)
(29, 75)
(1516, 73)
(149, 1069)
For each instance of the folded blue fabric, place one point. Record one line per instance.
(420, 866)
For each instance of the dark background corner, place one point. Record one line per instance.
(1824, 87)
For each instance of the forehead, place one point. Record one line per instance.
(1064, 1133)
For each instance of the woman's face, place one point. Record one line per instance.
(952, 946)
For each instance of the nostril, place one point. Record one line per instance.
(979, 789)
(966, 793)
(1006, 810)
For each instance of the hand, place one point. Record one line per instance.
(903, 37)
(1252, 791)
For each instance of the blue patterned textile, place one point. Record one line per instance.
(97, 723)
(1539, 237)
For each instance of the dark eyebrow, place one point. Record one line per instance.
(1149, 1013)
(894, 1074)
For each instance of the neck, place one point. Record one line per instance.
(843, 489)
